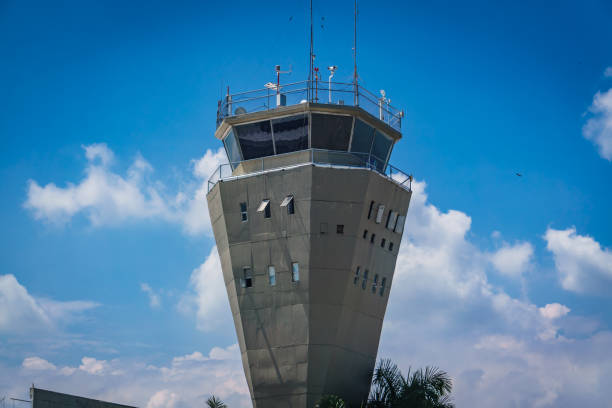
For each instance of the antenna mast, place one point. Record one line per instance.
(310, 57)
(356, 90)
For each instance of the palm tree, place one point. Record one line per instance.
(331, 401)
(214, 402)
(428, 388)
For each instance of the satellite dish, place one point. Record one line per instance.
(240, 111)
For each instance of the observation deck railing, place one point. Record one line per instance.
(330, 158)
(324, 92)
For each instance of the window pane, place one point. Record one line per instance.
(272, 275)
(380, 149)
(356, 279)
(248, 279)
(364, 282)
(331, 132)
(291, 134)
(362, 137)
(382, 286)
(295, 272)
(255, 139)
(231, 148)
(380, 213)
(399, 226)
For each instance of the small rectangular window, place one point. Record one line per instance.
(364, 282)
(380, 213)
(372, 238)
(340, 229)
(295, 272)
(399, 226)
(383, 242)
(244, 216)
(356, 278)
(272, 275)
(374, 283)
(365, 234)
(371, 209)
(323, 228)
(390, 246)
(247, 278)
(391, 220)
(382, 286)
(264, 207)
(288, 202)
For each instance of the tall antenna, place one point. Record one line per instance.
(310, 57)
(356, 93)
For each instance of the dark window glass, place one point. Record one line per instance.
(290, 207)
(267, 212)
(390, 246)
(382, 286)
(382, 243)
(362, 137)
(331, 132)
(364, 282)
(243, 212)
(340, 229)
(365, 234)
(290, 134)
(380, 149)
(247, 278)
(356, 278)
(231, 148)
(370, 210)
(372, 237)
(255, 139)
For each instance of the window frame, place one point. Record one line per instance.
(244, 214)
(295, 272)
(271, 275)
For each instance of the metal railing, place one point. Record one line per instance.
(333, 93)
(320, 157)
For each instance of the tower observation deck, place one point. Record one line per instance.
(308, 217)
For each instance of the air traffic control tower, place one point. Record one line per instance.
(308, 218)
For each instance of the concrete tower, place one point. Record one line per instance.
(308, 218)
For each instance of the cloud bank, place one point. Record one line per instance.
(109, 198)
(598, 128)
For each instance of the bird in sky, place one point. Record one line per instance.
(519, 174)
(290, 18)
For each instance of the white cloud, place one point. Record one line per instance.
(109, 198)
(512, 260)
(582, 264)
(37, 363)
(598, 128)
(99, 151)
(21, 313)
(207, 297)
(164, 399)
(500, 350)
(186, 381)
(554, 310)
(608, 72)
(154, 298)
(92, 366)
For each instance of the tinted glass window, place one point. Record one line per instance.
(291, 134)
(231, 148)
(362, 137)
(380, 149)
(331, 132)
(255, 139)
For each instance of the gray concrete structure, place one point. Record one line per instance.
(308, 242)
(51, 399)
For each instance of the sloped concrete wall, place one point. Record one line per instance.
(300, 340)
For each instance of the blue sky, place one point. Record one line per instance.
(107, 263)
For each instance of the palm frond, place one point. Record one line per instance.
(214, 402)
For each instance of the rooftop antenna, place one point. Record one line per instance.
(355, 85)
(311, 55)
